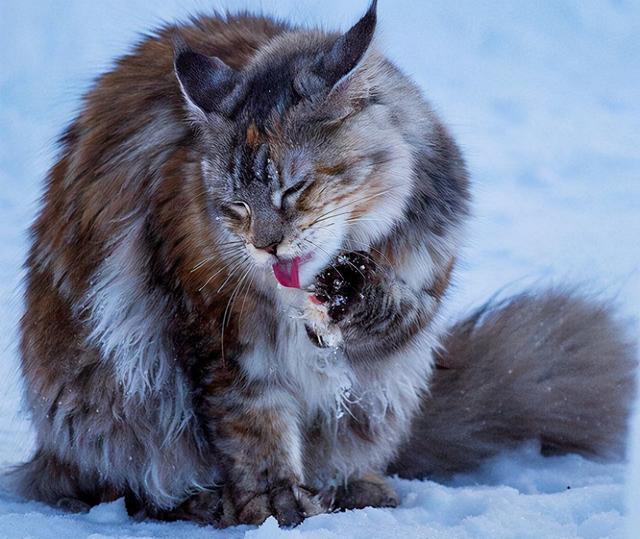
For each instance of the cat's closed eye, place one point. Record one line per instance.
(237, 209)
(294, 189)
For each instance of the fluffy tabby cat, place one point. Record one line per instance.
(234, 286)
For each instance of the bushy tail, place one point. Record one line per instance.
(551, 366)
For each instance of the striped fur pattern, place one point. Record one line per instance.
(162, 361)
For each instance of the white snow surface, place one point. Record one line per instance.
(544, 99)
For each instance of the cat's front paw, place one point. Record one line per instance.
(292, 504)
(340, 287)
(289, 504)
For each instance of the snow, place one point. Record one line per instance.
(543, 97)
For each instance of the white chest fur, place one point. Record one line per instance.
(319, 378)
(323, 380)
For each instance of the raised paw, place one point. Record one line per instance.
(341, 286)
(369, 491)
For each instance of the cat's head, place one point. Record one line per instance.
(299, 152)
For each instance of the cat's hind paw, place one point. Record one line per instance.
(370, 490)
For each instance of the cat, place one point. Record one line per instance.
(234, 288)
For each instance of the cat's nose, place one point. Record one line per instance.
(267, 234)
(271, 248)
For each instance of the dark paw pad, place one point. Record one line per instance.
(341, 285)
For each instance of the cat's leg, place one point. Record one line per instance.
(352, 450)
(255, 429)
(388, 323)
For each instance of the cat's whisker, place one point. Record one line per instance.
(377, 251)
(233, 260)
(328, 217)
(232, 272)
(248, 287)
(235, 292)
(333, 216)
(347, 261)
(352, 202)
(229, 249)
(228, 307)
(370, 247)
(370, 220)
(204, 261)
(364, 244)
(328, 255)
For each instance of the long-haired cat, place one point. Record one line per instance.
(234, 287)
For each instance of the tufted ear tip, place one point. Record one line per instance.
(179, 45)
(349, 49)
(372, 11)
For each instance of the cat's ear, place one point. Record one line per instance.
(349, 49)
(208, 84)
(332, 79)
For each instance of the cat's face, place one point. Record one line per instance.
(298, 158)
(299, 193)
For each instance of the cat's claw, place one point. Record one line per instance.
(289, 504)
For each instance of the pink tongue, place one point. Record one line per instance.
(286, 272)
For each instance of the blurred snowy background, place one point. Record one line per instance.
(544, 98)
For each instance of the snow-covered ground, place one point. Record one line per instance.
(544, 98)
